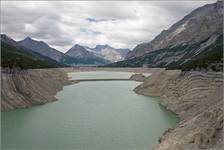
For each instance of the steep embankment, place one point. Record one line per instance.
(24, 88)
(197, 99)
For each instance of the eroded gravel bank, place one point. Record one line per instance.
(197, 98)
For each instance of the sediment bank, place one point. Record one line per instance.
(197, 98)
(25, 88)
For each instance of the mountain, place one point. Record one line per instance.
(109, 53)
(123, 52)
(15, 55)
(197, 36)
(78, 54)
(42, 48)
(86, 57)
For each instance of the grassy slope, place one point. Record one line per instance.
(13, 57)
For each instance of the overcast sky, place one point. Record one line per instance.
(65, 23)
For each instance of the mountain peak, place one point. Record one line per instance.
(28, 38)
(77, 47)
(102, 46)
(41, 48)
(4, 37)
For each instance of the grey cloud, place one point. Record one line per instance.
(61, 42)
(65, 23)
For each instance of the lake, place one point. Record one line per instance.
(102, 115)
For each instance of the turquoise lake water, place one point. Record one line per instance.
(103, 115)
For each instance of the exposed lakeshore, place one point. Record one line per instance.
(187, 94)
(25, 88)
(197, 98)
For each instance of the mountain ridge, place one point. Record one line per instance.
(178, 34)
(42, 48)
(15, 55)
(103, 54)
(196, 36)
(109, 53)
(80, 52)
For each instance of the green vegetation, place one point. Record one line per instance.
(211, 57)
(24, 59)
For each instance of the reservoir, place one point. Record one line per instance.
(101, 115)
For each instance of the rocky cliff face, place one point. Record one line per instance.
(197, 98)
(25, 88)
(203, 23)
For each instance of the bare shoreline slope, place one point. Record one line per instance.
(25, 88)
(197, 98)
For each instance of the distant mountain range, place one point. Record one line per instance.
(101, 54)
(196, 41)
(77, 55)
(191, 43)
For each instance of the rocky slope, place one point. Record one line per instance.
(198, 36)
(16, 55)
(25, 88)
(79, 52)
(211, 58)
(197, 98)
(109, 53)
(42, 48)
(202, 23)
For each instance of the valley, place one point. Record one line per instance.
(95, 120)
(166, 84)
(88, 85)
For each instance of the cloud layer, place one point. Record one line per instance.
(65, 23)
